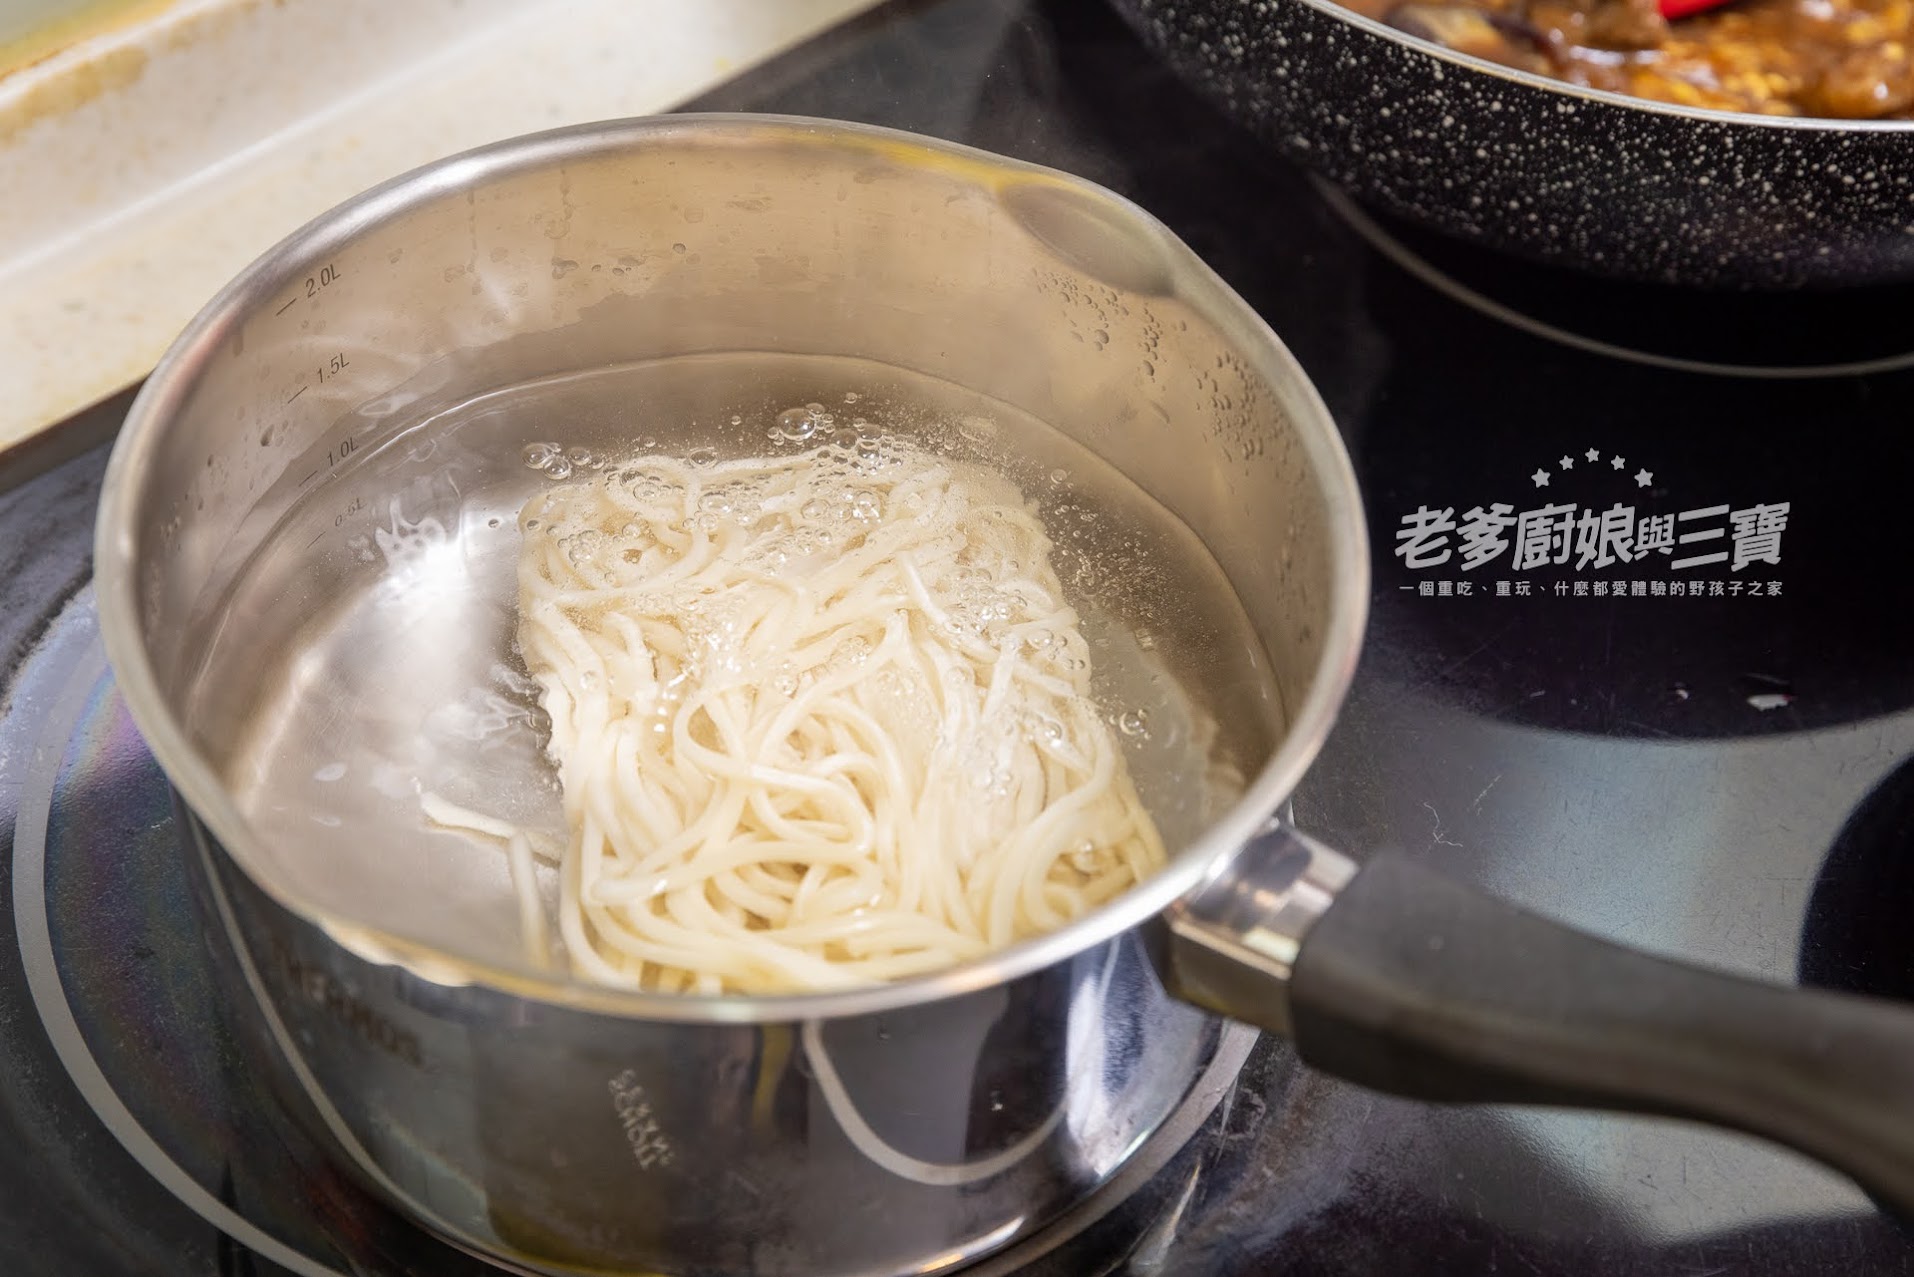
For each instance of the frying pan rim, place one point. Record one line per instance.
(1604, 97)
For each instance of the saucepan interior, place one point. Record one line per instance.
(308, 531)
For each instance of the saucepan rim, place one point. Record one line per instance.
(125, 500)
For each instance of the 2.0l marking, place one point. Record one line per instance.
(325, 277)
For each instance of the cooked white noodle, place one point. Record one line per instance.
(820, 720)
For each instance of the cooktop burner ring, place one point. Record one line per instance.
(72, 727)
(32, 927)
(1380, 238)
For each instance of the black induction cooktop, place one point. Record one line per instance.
(1637, 659)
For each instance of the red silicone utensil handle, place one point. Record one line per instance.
(1672, 9)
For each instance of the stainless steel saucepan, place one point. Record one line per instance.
(358, 397)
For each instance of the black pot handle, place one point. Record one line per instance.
(1404, 980)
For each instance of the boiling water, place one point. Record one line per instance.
(393, 588)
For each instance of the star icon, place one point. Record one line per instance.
(1616, 461)
(1541, 478)
(1568, 463)
(1592, 455)
(1643, 478)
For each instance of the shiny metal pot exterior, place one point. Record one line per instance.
(565, 1128)
(1592, 180)
(569, 1141)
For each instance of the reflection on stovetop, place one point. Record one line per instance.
(1763, 335)
(1855, 937)
(1688, 773)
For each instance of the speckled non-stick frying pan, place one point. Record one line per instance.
(1575, 177)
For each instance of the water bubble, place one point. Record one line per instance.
(978, 430)
(1059, 477)
(715, 502)
(1134, 723)
(581, 457)
(702, 456)
(851, 396)
(795, 425)
(538, 456)
(1086, 858)
(491, 523)
(581, 548)
(737, 420)
(814, 509)
(677, 248)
